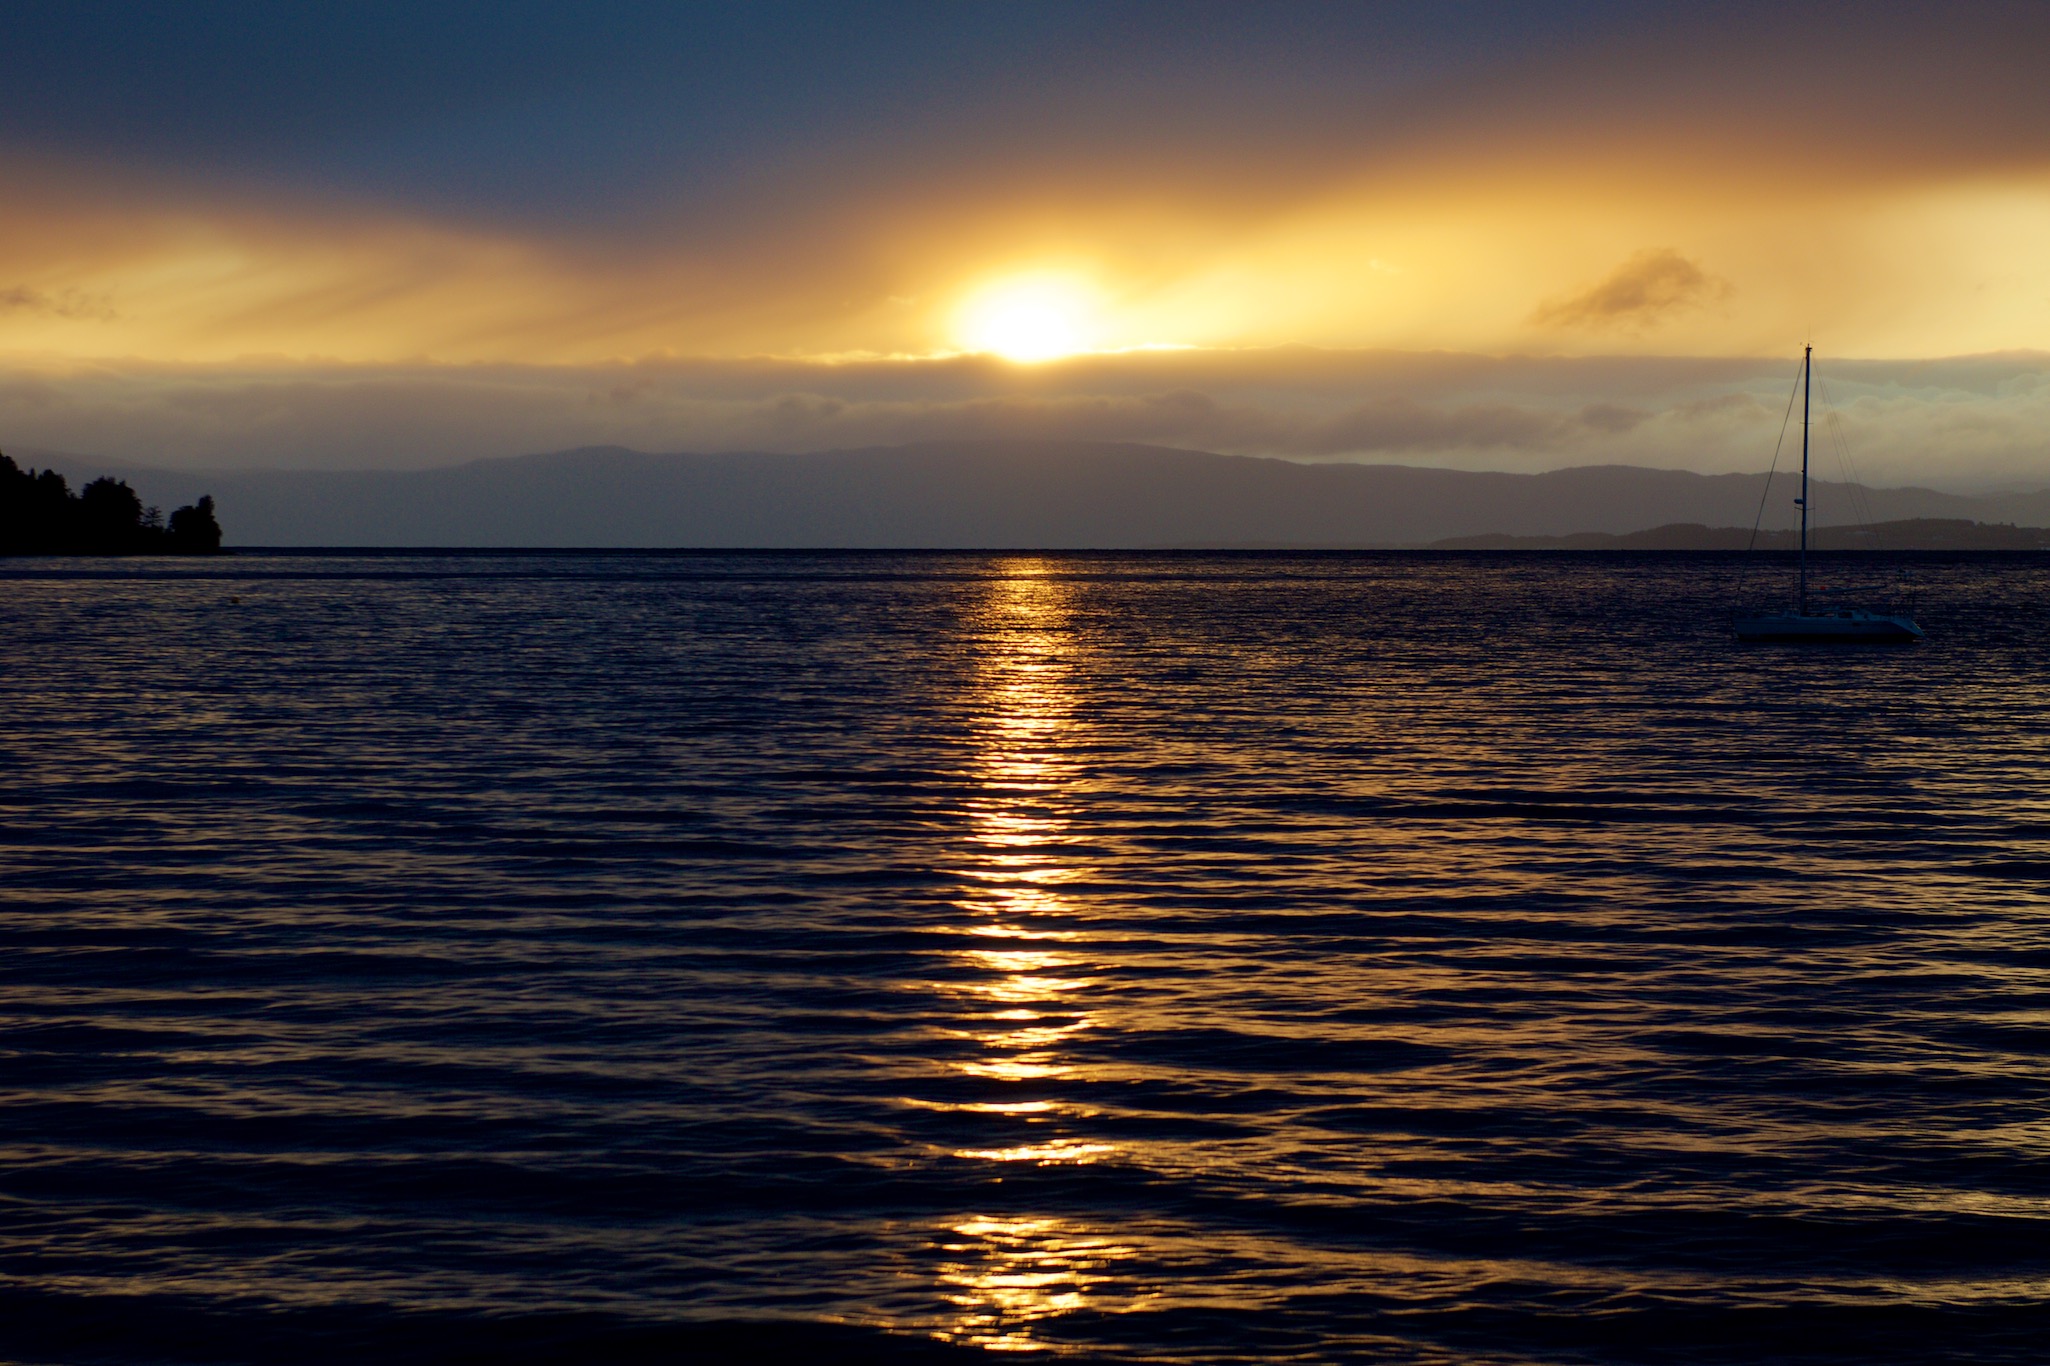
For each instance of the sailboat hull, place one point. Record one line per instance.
(1841, 628)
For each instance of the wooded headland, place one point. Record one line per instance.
(40, 515)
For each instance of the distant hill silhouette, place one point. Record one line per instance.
(1919, 533)
(40, 515)
(1004, 494)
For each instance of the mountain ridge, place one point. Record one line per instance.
(1916, 533)
(997, 494)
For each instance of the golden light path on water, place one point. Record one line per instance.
(1031, 976)
(1261, 959)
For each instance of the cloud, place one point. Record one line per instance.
(1967, 422)
(1645, 290)
(1385, 427)
(413, 416)
(1958, 423)
(729, 185)
(67, 303)
(1722, 407)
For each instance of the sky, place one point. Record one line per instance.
(1506, 236)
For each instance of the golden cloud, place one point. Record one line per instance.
(1645, 290)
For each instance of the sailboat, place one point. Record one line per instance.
(1800, 626)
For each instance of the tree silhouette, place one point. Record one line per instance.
(194, 530)
(109, 518)
(39, 515)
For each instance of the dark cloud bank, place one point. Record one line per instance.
(1972, 423)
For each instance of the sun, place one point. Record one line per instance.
(1027, 318)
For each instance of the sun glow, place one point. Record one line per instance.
(1028, 318)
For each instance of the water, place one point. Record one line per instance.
(1182, 957)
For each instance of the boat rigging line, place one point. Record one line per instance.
(1766, 492)
(1744, 561)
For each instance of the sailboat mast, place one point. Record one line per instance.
(1807, 377)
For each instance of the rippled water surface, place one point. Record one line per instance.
(1192, 957)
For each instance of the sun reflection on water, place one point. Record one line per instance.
(1005, 1275)
(1028, 976)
